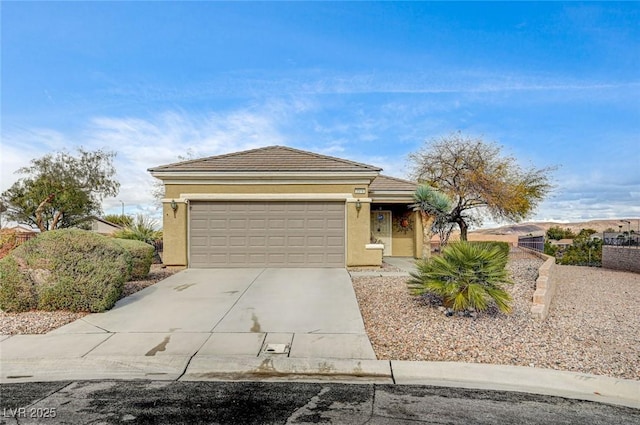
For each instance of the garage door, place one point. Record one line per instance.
(267, 234)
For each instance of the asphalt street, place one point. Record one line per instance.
(171, 402)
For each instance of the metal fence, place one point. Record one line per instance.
(630, 239)
(535, 243)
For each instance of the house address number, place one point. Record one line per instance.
(360, 190)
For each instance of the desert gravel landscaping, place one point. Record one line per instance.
(593, 326)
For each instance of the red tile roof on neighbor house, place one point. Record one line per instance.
(268, 159)
(391, 184)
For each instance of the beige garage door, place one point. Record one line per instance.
(267, 234)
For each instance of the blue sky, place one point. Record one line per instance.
(553, 83)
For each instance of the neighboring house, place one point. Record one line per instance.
(22, 229)
(283, 207)
(98, 225)
(562, 243)
(23, 233)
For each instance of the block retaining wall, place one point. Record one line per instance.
(545, 285)
(621, 258)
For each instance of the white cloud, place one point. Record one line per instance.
(142, 144)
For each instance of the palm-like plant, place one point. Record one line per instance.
(433, 207)
(466, 276)
(142, 229)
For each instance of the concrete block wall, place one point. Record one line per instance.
(545, 285)
(621, 258)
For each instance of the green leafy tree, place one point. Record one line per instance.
(60, 189)
(550, 249)
(466, 276)
(479, 179)
(3, 208)
(434, 207)
(557, 233)
(584, 251)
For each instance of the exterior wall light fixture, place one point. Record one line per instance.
(174, 207)
(358, 205)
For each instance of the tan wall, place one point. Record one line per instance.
(174, 191)
(358, 235)
(175, 228)
(174, 235)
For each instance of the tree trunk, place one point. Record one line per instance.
(463, 229)
(56, 218)
(40, 209)
(427, 222)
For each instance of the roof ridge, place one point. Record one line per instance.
(224, 155)
(266, 149)
(322, 156)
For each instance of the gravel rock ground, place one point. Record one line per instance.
(593, 326)
(41, 322)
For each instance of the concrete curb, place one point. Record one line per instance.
(581, 386)
(602, 389)
(273, 368)
(93, 368)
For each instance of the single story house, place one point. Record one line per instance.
(98, 225)
(562, 243)
(282, 207)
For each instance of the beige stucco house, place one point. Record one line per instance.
(283, 207)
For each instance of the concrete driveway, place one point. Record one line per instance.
(305, 313)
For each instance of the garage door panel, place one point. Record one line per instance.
(335, 241)
(216, 240)
(267, 234)
(296, 241)
(257, 223)
(216, 223)
(295, 223)
(334, 224)
(275, 241)
(316, 241)
(237, 241)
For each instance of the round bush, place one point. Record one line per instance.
(141, 254)
(16, 290)
(67, 269)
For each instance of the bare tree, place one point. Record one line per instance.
(479, 179)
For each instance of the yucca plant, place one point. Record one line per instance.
(142, 229)
(433, 206)
(466, 276)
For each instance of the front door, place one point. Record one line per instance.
(381, 229)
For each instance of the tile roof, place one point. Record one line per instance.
(387, 184)
(268, 159)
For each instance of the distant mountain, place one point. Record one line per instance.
(542, 227)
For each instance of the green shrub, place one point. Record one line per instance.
(467, 276)
(504, 247)
(141, 254)
(67, 269)
(16, 290)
